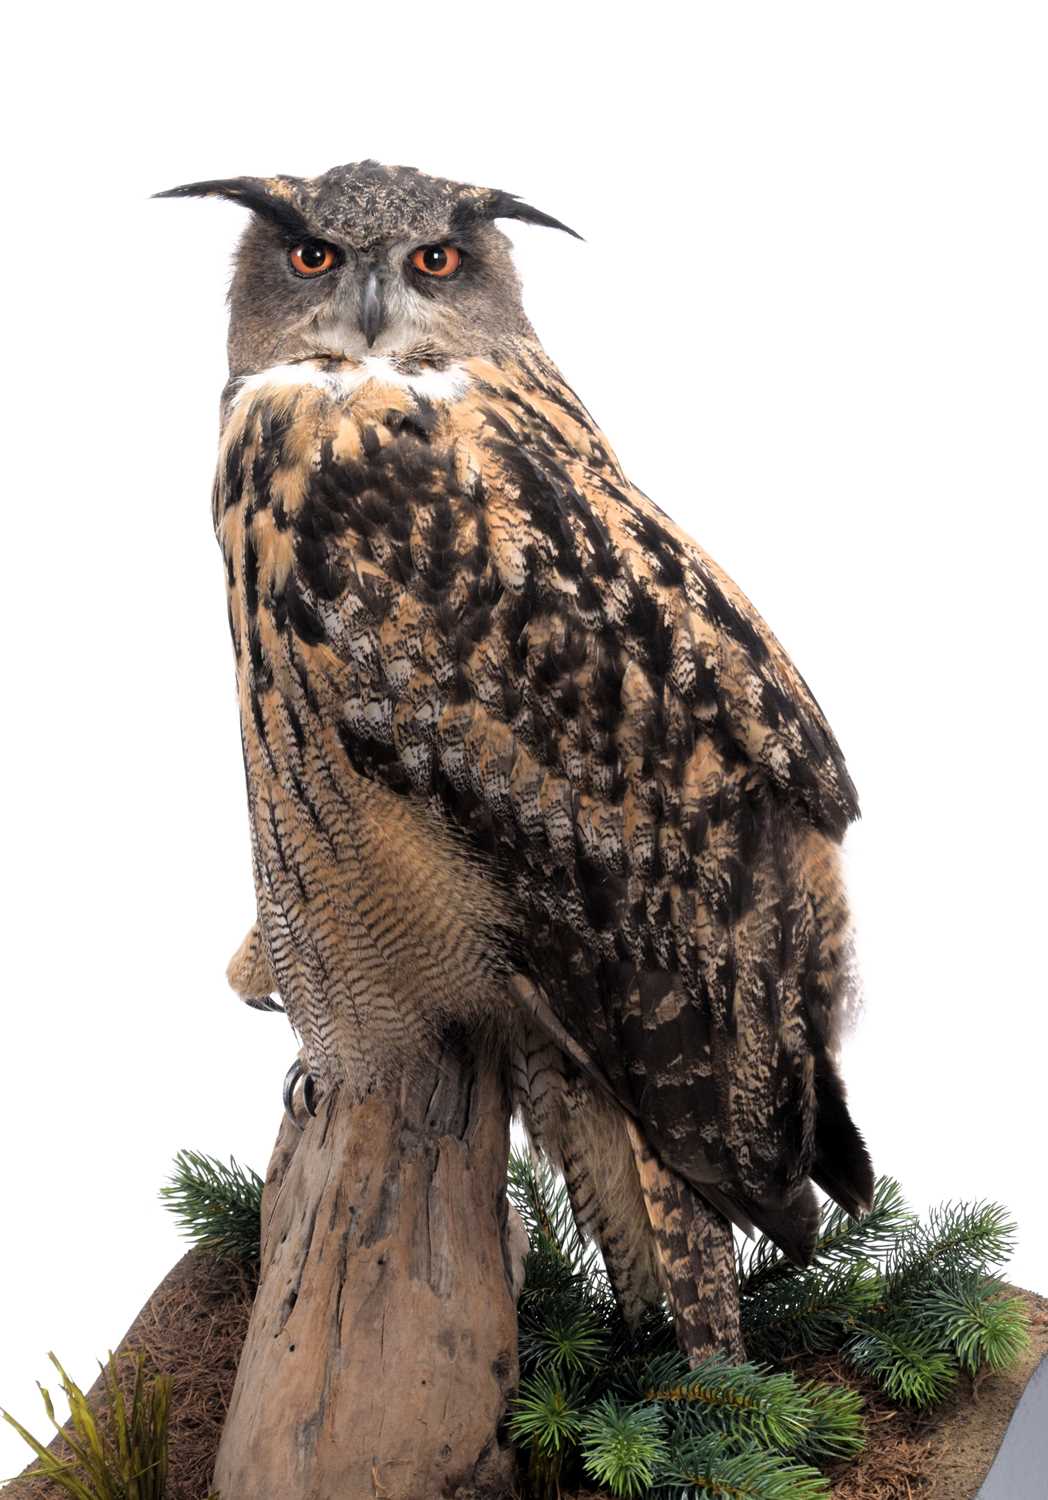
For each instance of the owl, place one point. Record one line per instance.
(520, 757)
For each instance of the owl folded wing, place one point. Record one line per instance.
(523, 640)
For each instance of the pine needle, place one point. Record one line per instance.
(843, 1242)
(705, 1470)
(907, 1304)
(623, 1446)
(218, 1206)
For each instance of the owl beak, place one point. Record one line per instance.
(372, 308)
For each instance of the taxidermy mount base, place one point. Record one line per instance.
(383, 1340)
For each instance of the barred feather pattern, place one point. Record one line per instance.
(583, 1134)
(696, 1258)
(502, 717)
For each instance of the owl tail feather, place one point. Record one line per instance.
(695, 1253)
(842, 1165)
(793, 1226)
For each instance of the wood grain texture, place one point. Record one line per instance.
(382, 1344)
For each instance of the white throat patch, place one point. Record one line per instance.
(341, 381)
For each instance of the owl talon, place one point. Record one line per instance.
(296, 1098)
(262, 1002)
(251, 974)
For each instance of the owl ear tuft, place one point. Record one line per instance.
(499, 205)
(269, 197)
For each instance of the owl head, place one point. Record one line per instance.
(369, 259)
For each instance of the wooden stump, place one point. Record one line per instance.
(382, 1344)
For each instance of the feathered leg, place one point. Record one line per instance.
(697, 1256)
(583, 1136)
(606, 1201)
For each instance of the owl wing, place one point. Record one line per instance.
(514, 634)
(593, 538)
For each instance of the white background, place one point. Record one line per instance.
(811, 314)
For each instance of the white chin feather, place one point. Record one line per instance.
(340, 383)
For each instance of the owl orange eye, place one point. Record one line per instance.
(312, 258)
(437, 260)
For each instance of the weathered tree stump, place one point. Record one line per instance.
(382, 1343)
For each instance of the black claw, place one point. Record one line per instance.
(263, 1002)
(291, 1077)
(295, 1074)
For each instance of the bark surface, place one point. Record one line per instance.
(382, 1343)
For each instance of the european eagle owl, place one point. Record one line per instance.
(519, 755)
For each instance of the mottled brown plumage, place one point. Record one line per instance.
(520, 757)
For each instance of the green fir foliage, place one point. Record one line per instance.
(908, 1364)
(604, 1405)
(705, 1469)
(623, 1447)
(909, 1305)
(218, 1207)
(979, 1322)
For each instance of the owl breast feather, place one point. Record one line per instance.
(462, 603)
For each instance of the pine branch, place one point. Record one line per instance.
(632, 1350)
(910, 1365)
(623, 1446)
(551, 1287)
(744, 1402)
(843, 1241)
(546, 1415)
(958, 1238)
(907, 1301)
(563, 1315)
(218, 1207)
(838, 1430)
(708, 1469)
(809, 1310)
(546, 1423)
(573, 1343)
(976, 1318)
(542, 1201)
